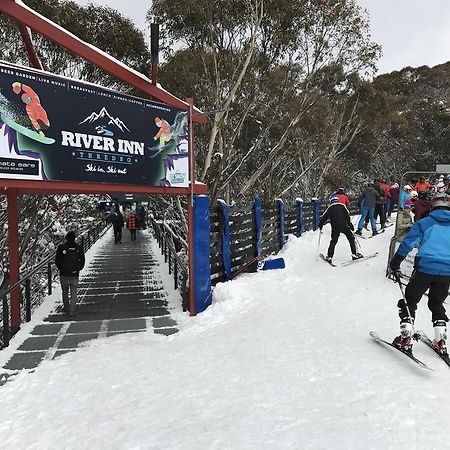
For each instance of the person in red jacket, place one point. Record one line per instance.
(422, 185)
(132, 225)
(387, 199)
(342, 196)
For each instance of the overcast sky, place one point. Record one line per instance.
(412, 32)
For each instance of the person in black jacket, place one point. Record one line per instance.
(339, 217)
(69, 260)
(379, 203)
(117, 223)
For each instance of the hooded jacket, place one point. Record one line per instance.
(394, 191)
(69, 259)
(432, 233)
(370, 197)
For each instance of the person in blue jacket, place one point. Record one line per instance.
(431, 271)
(405, 194)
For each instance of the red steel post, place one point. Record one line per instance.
(14, 258)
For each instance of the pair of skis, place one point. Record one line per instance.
(347, 263)
(372, 236)
(422, 337)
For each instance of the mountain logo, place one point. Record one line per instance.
(177, 177)
(105, 123)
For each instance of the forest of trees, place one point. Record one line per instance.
(296, 107)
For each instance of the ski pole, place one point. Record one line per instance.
(358, 244)
(318, 245)
(399, 281)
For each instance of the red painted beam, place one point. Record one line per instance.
(33, 57)
(31, 187)
(14, 258)
(26, 16)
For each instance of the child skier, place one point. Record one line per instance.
(339, 217)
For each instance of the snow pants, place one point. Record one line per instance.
(335, 232)
(379, 211)
(416, 287)
(69, 287)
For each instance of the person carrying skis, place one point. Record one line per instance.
(339, 217)
(431, 271)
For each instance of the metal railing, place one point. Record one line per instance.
(177, 265)
(37, 283)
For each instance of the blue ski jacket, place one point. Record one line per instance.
(403, 196)
(432, 233)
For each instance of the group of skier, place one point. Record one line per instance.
(430, 233)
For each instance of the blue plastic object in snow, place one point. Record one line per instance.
(269, 264)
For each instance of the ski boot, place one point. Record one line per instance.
(329, 259)
(358, 232)
(357, 256)
(439, 343)
(374, 233)
(404, 341)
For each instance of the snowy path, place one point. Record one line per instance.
(282, 360)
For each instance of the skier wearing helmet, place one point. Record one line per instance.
(339, 217)
(342, 196)
(431, 271)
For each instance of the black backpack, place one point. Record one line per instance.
(70, 260)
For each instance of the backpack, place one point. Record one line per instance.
(70, 260)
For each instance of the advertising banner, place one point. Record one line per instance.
(58, 129)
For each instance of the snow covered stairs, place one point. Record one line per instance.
(120, 293)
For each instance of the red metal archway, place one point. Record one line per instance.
(28, 19)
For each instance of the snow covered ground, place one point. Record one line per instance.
(281, 360)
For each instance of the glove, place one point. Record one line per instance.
(395, 262)
(351, 226)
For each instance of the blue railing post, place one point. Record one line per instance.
(300, 216)
(315, 203)
(257, 222)
(281, 221)
(224, 210)
(202, 268)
